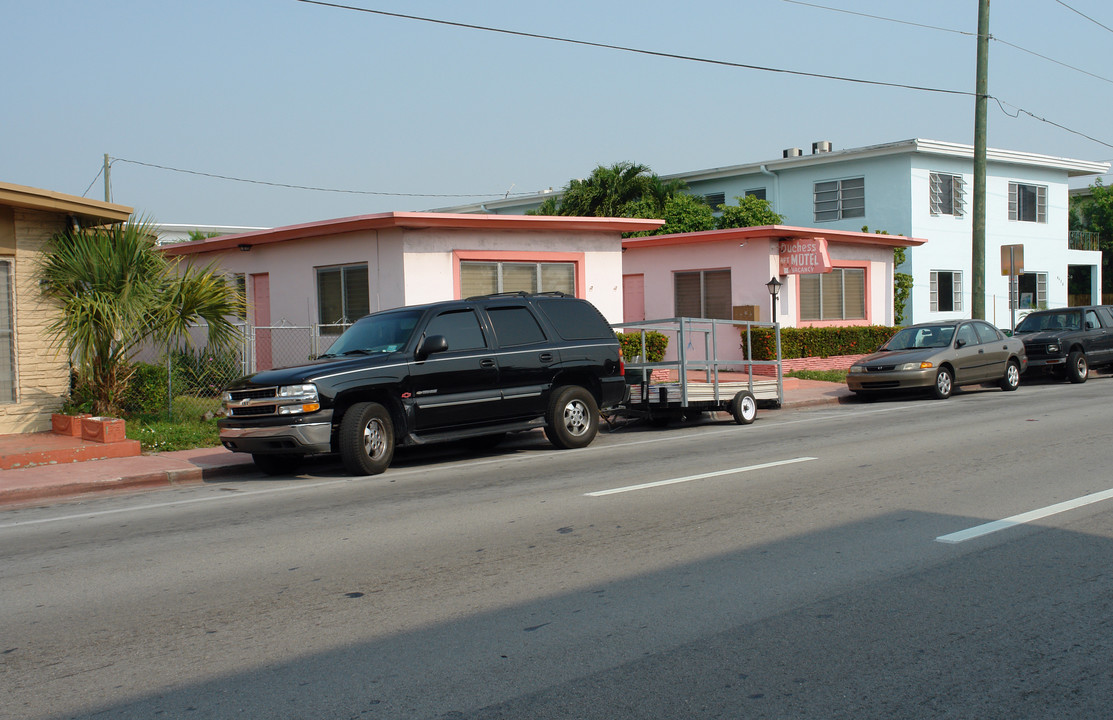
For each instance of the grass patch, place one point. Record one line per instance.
(160, 435)
(835, 376)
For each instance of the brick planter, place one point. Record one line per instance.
(103, 429)
(68, 425)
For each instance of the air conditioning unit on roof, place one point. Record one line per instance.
(792, 152)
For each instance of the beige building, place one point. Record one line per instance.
(34, 375)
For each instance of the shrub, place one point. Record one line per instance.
(631, 342)
(204, 373)
(818, 342)
(146, 390)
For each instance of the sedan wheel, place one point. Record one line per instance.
(1011, 381)
(944, 384)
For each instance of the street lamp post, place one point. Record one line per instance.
(774, 286)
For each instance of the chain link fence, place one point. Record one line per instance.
(185, 381)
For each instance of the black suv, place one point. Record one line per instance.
(1069, 340)
(480, 367)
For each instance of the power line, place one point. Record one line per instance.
(308, 187)
(1068, 7)
(640, 51)
(690, 58)
(956, 32)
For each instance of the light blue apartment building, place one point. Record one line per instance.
(922, 189)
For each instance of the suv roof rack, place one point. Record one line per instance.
(520, 293)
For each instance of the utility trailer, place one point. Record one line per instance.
(698, 380)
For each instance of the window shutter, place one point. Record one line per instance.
(558, 277)
(935, 193)
(1013, 206)
(826, 201)
(854, 293)
(831, 294)
(956, 282)
(519, 277)
(715, 200)
(1041, 204)
(687, 294)
(809, 297)
(717, 295)
(7, 362)
(478, 278)
(934, 291)
(958, 190)
(853, 198)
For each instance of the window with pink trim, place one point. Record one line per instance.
(486, 277)
(837, 295)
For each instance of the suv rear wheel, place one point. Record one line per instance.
(366, 439)
(572, 420)
(1077, 367)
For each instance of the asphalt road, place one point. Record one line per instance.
(823, 563)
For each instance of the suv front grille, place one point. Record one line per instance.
(254, 394)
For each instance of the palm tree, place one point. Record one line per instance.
(117, 292)
(624, 189)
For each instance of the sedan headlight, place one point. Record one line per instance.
(917, 365)
(857, 369)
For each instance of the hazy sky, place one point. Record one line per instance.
(414, 115)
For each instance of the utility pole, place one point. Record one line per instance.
(107, 179)
(981, 107)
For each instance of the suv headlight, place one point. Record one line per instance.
(298, 399)
(1053, 347)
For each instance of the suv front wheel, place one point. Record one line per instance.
(573, 417)
(366, 439)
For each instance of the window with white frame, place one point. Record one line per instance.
(946, 291)
(485, 278)
(1027, 203)
(703, 294)
(838, 199)
(342, 296)
(7, 335)
(947, 194)
(837, 295)
(1030, 291)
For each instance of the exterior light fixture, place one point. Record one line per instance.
(774, 286)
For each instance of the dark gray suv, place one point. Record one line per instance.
(475, 368)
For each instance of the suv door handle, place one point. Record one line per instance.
(486, 363)
(546, 357)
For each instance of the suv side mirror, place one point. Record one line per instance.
(432, 344)
(1090, 325)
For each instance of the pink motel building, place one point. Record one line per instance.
(829, 277)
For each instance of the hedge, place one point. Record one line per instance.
(631, 343)
(817, 341)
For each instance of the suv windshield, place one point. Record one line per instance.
(380, 333)
(1039, 322)
(910, 338)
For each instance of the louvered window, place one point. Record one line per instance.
(948, 195)
(7, 335)
(703, 294)
(484, 278)
(837, 295)
(1027, 203)
(715, 200)
(946, 291)
(838, 199)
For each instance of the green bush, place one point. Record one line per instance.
(204, 373)
(631, 342)
(818, 342)
(146, 390)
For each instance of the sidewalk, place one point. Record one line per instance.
(46, 482)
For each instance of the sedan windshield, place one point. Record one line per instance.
(924, 336)
(380, 333)
(1039, 322)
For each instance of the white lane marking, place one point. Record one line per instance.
(766, 424)
(701, 476)
(998, 525)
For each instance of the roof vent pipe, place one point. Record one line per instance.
(823, 146)
(792, 152)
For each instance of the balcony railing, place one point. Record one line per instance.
(1083, 240)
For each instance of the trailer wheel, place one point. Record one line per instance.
(744, 407)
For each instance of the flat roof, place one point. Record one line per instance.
(22, 196)
(414, 221)
(771, 232)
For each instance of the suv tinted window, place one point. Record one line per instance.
(575, 319)
(460, 328)
(515, 326)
